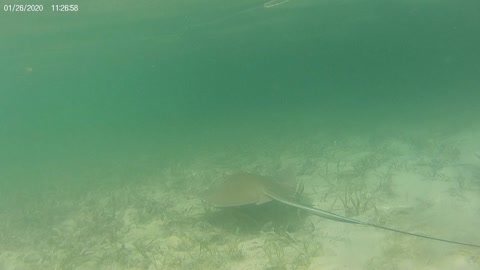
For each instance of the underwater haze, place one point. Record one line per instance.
(171, 95)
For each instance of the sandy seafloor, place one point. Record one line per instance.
(419, 181)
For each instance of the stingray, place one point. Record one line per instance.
(246, 188)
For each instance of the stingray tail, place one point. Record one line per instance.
(335, 217)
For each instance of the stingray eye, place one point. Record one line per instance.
(299, 190)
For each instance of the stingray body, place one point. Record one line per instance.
(247, 188)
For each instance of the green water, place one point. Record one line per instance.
(119, 90)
